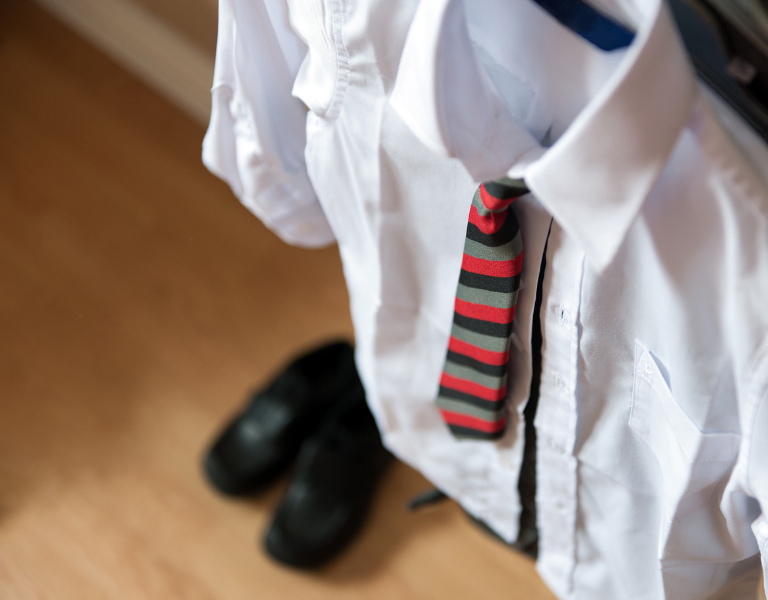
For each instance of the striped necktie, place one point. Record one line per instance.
(473, 385)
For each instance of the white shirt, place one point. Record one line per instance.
(653, 420)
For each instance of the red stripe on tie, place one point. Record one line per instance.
(461, 420)
(493, 203)
(472, 388)
(485, 356)
(488, 224)
(494, 268)
(483, 312)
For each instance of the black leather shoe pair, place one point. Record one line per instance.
(315, 409)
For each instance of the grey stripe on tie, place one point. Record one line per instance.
(486, 342)
(470, 374)
(464, 408)
(477, 202)
(508, 251)
(486, 297)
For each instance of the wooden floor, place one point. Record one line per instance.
(139, 302)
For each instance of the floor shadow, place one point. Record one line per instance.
(389, 527)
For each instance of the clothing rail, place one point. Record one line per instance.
(728, 43)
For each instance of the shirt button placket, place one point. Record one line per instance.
(556, 415)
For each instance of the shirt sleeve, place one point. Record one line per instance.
(257, 132)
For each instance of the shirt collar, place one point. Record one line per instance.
(596, 176)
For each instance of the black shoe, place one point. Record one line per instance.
(262, 441)
(331, 489)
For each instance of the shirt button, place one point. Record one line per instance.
(562, 315)
(553, 445)
(648, 368)
(559, 382)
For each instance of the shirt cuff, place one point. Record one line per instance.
(284, 201)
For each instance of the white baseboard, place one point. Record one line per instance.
(143, 44)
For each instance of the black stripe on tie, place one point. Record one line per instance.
(499, 330)
(480, 367)
(466, 432)
(493, 405)
(506, 233)
(504, 191)
(505, 285)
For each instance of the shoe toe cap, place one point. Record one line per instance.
(238, 464)
(309, 530)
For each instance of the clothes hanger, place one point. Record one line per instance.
(589, 23)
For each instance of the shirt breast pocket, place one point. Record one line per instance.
(693, 463)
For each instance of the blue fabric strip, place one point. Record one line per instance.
(588, 23)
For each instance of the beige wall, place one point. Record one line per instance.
(169, 44)
(194, 19)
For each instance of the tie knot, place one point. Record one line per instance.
(505, 188)
(499, 194)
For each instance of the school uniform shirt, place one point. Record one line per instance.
(371, 121)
